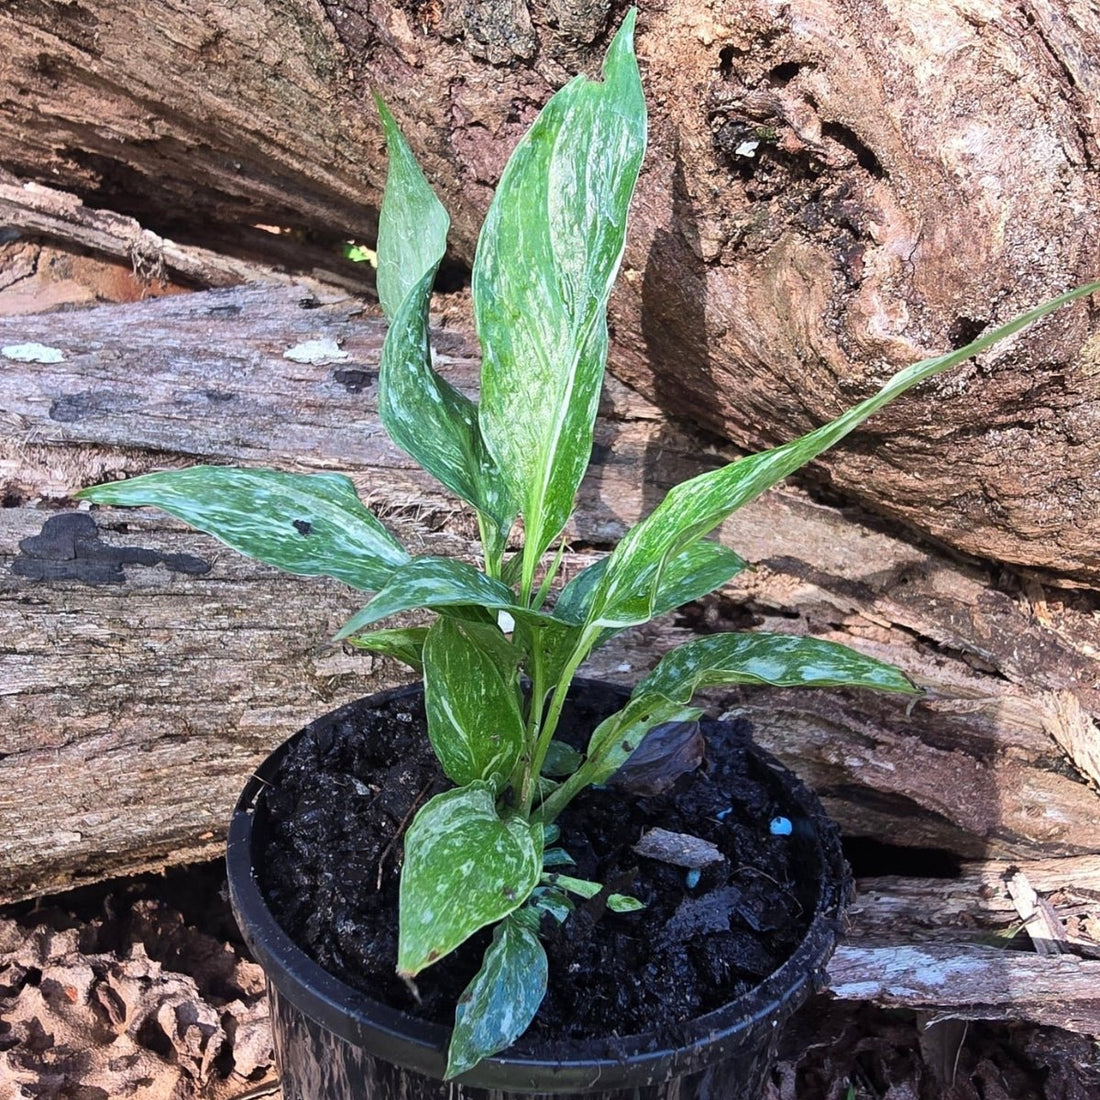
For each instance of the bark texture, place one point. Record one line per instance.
(833, 189)
(147, 668)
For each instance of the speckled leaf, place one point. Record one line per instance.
(308, 524)
(614, 740)
(624, 903)
(403, 644)
(582, 887)
(464, 868)
(691, 574)
(547, 256)
(412, 224)
(694, 507)
(432, 582)
(471, 693)
(422, 412)
(782, 660)
(501, 1001)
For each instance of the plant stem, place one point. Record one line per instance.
(491, 546)
(551, 573)
(534, 718)
(583, 647)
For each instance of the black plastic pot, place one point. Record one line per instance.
(332, 1042)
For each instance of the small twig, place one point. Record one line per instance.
(268, 1089)
(400, 829)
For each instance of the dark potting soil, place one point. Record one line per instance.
(331, 855)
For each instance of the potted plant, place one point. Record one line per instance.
(485, 856)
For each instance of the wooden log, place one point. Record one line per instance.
(816, 205)
(45, 212)
(959, 981)
(951, 948)
(976, 904)
(146, 668)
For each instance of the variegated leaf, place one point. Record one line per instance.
(422, 412)
(465, 867)
(782, 660)
(309, 524)
(432, 582)
(412, 223)
(472, 697)
(612, 743)
(694, 507)
(547, 256)
(501, 1001)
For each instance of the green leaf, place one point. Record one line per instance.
(552, 901)
(464, 868)
(693, 573)
(613, 743)
(446, 583)
(582, 887)
(422, 412)
(412, 224)
(404, 644)
(575, 598)
(624, 903)
(471, 693)
(309, 524)
(547, 256)
(561, 759)
(557, 857)
(782, 660)
(432, 582)
(694, 507)
(501, 1001)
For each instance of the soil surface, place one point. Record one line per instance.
(347, 790)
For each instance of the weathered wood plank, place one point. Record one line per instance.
(977, 903)
(967, 982)
(146, 668)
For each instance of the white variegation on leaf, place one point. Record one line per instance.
(309, 524)
(465, 867)
(503, 997)
(546, 258)
(432, 582)
(781, 660)
(472, 698)
(412, 223)
(422, 412)
(693, 508)
(695, 572)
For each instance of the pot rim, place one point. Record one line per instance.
(632, 1060)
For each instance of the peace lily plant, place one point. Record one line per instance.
(477, 854)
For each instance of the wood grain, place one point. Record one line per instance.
(833, 190)
(146, 668)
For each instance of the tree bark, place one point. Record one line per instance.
(147, 668)
(832, 190)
